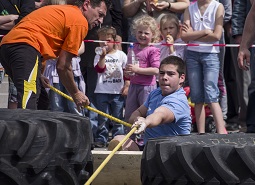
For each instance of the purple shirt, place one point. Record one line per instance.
(148, 57)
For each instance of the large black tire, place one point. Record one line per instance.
(208, 159)
(44, 148)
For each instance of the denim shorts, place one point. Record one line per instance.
(203, 73)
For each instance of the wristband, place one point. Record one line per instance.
(169, 6)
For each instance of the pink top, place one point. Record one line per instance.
(148, 57)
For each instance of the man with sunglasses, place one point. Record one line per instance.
(49, 32)
(166, 111)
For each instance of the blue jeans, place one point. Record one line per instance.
(93, 117)
(110, 104)
(203, 73)
(61, 104)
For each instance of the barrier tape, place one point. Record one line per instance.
(165, 44)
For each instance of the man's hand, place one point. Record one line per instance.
(45, 82)
(80, 99)
(244, 59)
(140, 124)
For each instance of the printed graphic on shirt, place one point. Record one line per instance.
(112, 72)
(4, 12)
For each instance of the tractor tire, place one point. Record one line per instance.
(209, 159)
(39, 147)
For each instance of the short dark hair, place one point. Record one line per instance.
(177, 61)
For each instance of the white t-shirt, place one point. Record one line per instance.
(201, 22)
(111, 80)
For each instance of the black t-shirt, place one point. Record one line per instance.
(16, 7)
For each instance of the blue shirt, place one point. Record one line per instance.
(178, 104)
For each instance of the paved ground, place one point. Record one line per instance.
(4, 93)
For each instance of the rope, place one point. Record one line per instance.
(107, 159)
(91, 108)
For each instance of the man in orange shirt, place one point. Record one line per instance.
(49, 32)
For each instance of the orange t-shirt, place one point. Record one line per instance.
(50, 29)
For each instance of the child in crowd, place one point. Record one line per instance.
(111, 87)
(203, 22)
(170, 31)
(58, 102)
(143, 82)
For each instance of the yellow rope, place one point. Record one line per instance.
(91, 108)
(107, 159)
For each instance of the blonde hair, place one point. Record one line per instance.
(170, 17)
(146, 20)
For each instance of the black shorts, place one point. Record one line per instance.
(22, 63)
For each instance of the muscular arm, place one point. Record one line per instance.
(160, 116)
(249, 34)
(247, 39)
(65, 72)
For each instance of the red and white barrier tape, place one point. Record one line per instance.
(175, 44)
